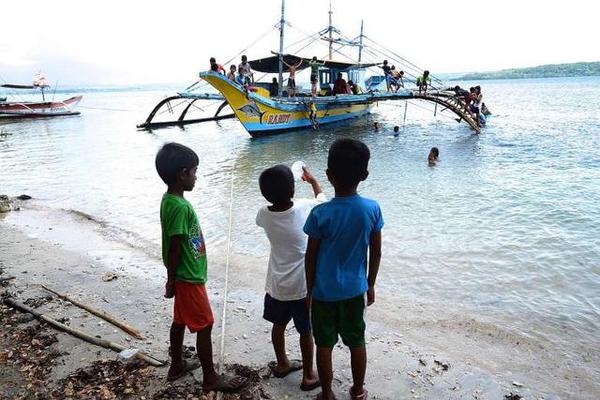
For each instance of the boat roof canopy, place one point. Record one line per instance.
(270, 65)
(11, 86)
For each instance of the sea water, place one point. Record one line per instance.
(507, 225)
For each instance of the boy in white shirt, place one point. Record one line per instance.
(283, 222)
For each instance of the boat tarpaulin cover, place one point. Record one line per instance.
(271, 64)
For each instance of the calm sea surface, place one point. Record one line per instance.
(507, 225)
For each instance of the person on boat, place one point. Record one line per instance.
(432, 158)
(314, 74)
(340, 86)
(396, 79)
(245, 70)
(354, 88)
(274, 88)
(312, 115)
(423, 82)
(231, 73)
(241, 79)
(218, 68)
(475, 103)
(291, 83)
(387, 73)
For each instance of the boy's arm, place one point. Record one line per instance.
(313, 182)
(310, 266)
(173, 257)
(374, 259)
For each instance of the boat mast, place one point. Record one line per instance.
(360, 43)
(330, 29)
(281, 25)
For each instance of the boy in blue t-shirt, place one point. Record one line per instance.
(337, 272)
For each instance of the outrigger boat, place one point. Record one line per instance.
(32, 109)
(262, 114)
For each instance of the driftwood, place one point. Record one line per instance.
(10, 278)
(99, 313)
(81, 335)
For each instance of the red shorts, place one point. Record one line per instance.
(192, 307)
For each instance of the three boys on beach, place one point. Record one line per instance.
(322, 267)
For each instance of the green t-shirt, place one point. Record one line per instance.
(177, 217)
(314, 67)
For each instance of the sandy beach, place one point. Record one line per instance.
(413, 352)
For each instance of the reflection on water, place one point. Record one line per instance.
(506, 224)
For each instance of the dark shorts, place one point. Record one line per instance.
(344, 318)
(474, 109)
(291, 83)
(281, 312)
(313, 79)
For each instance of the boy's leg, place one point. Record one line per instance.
(325, 323)
(205, 354)
(352, 331)
(325, 369)
(278, 339)
(176, 335)
(307, 349)
(358, 360)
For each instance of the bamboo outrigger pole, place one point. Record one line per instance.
(82, 335)
(99, 313)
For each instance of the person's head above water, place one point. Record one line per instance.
(434, 153)
(277, 184)
(396, 128)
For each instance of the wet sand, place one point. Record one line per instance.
(414, 351)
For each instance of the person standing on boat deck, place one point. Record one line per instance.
(340, 86)
(246, 71)
(423, 81)
(231, 73)
(314, 74)
(291, 83)
(274, 88)
(218, 68)
(387, 73)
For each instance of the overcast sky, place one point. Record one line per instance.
(130, 42)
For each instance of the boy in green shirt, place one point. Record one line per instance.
(184, 255)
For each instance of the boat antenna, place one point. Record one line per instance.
(360, 41)
(281, 25)
(330, 29)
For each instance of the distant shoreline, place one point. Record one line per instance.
(572, 70)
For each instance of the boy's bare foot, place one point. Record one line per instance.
(362, 395)
(176, 372)
(226, 383)
(310, 384)
(285, 370)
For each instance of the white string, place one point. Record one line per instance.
(225, 292)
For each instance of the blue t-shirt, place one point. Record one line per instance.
(344, 227)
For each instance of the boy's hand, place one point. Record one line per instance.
(170, 289)
(307, 176)
(370, 295)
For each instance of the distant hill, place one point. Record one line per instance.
(542, 71)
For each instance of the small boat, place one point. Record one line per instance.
(33, 109)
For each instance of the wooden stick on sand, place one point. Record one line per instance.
(99, 313)
(82, 335)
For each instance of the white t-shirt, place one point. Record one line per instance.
(285, 275)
